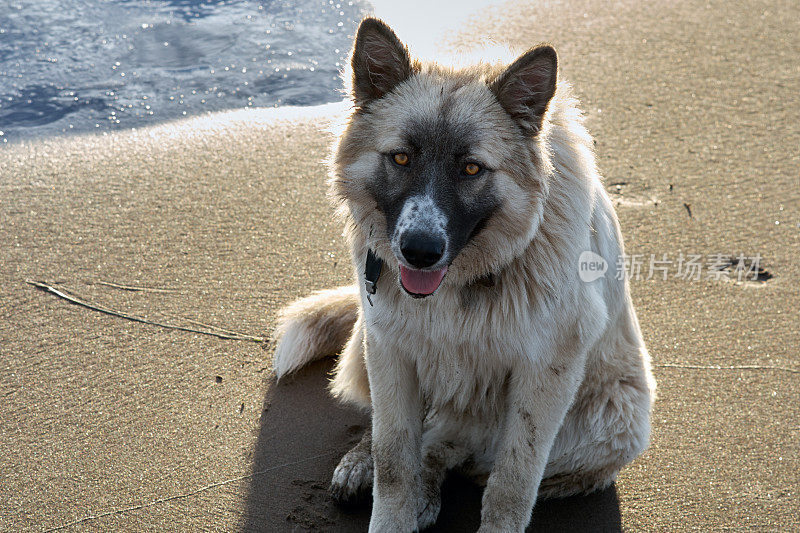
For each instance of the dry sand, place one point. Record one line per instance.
(114, 425)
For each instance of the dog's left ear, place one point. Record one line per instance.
(526, 87)
(380, 61)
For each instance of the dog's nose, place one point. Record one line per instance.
(420, 250)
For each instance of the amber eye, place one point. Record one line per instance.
(470, 169)
(401, 159)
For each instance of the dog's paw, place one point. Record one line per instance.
(431, 506)
(352, 479)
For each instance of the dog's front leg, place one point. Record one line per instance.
(537, 403)
(396, 441)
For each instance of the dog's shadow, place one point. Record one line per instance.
(304, 433)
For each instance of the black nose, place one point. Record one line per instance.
(420, 250)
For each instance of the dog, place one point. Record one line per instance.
(468, 196)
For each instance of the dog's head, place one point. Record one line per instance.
(442, 169)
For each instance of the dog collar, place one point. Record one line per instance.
(487, 280)
(372, 271)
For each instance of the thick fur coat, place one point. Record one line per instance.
(510, 368)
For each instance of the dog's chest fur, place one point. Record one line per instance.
(463, 341)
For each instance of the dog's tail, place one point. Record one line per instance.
(313, 327)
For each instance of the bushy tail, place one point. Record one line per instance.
(314, 327)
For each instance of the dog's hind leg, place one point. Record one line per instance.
(352, 479)
(608, 425)
(607, 428)
(350, 383)
(578, 482)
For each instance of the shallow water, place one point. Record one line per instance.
(100, 65)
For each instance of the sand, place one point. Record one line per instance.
(113, 425)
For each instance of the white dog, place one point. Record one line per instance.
(469, 195)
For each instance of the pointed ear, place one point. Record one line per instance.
(526, 87)
(380, 61)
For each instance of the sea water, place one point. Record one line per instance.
(77, 66)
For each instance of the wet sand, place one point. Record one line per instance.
(110, 424)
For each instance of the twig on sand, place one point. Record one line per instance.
(735, 367)
(134, 288)
(67, 295)
(203, 324)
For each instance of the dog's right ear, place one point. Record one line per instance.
(380, 61)
(527, 86)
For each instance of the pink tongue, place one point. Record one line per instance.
(421, 281)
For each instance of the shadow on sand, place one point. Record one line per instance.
(304, 433)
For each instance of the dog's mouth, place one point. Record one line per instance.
(421, 283)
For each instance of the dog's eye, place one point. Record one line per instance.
(401, 158)
(471, 169)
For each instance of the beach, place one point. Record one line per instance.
(213, 223)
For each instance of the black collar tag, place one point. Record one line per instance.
(372, 271)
